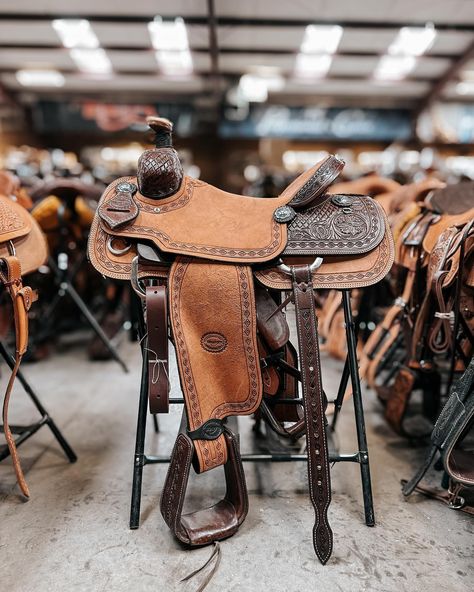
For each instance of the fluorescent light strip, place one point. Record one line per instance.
(394, 67)
(413, 41)
(92, 61)
(175, 63)
(465, 88)
(168, 35)
(40, 78)
(312, 66)
(75, 33)
(321, 39)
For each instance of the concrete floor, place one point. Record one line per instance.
(73, 533)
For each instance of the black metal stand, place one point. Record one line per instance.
(64, 276)
(25, 432)
(361, 456)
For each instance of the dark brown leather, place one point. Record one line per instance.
(314, 404)
(342, 224)
(318, 183)
(213, 524)
(157, 346)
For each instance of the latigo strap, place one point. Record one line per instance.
(157, 346)
(22, 297)
(314, 405)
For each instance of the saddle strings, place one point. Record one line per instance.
(157, 363)
(216, 556)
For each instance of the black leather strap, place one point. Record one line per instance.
(314, 405)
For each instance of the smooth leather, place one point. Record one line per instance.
(22, 249)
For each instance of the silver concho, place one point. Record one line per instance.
(341, 201)
(126, 187)
(284, 214)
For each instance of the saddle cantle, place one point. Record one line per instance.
(213, 256)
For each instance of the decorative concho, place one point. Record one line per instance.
(342, 201)
(127, 187)
(284, 214)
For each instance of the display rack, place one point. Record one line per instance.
(350, 371)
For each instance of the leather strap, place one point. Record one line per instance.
(314, 405)
(157, 346)
(212, 524)
(22, 298)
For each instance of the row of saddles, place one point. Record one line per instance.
(416, 331)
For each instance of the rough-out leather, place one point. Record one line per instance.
(210, 239)
(214, 325)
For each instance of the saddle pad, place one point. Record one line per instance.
(18, 226)
(214, 324)
(338, 272)
(342, 224)
(202, 221)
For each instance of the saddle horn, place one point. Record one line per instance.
(160, 173)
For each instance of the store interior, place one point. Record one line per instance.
(257, 92)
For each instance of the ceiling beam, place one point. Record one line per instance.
(234, 21)
(205, 49)
(223, 74)
(213, 49)
(451, 73)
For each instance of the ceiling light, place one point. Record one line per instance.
(40, 78)
(93, 61)
(253, 88)
(413, 41)
(394, 67)
(321, 39)
(175, 63)
(312, 66)
(75, 33)
(465, 88)
(168, 35)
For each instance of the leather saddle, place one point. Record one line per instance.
(434, 242)
(23, 249)
(216, 259)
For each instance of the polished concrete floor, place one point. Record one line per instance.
(73, 533)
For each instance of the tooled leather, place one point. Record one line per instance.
(159, 172)
(215, 385)
(318, 459)
(345, 273)
(326, 174)
(328, 229)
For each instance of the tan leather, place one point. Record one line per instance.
(372, 185)
(18, 226)
(215, 336)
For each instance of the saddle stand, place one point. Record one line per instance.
(215, 266)
(67, 192)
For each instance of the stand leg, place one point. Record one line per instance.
(358, 410)
(139, 458)
(94, 324)
(48, 420)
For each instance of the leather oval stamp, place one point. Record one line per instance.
(213, 342)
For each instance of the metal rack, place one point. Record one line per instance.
(361, 456)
